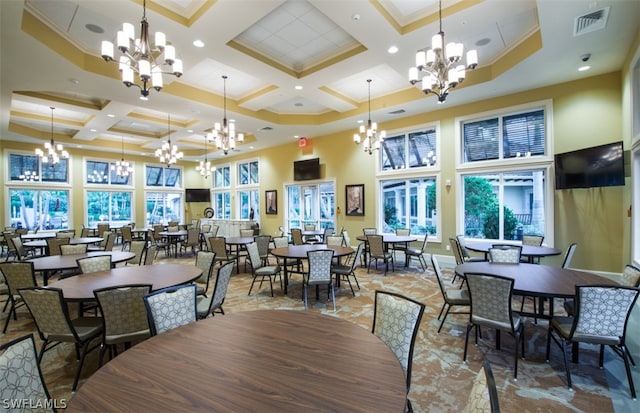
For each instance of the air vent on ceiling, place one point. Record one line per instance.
(266, 128)
(590, 22)
(397, 112)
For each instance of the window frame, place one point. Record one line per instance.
(19, 182)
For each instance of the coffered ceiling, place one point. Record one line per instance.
(294, 67)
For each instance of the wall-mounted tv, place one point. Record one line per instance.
(590, 167)
(306, 169)
(197, 195)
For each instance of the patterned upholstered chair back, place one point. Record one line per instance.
(73, 249)
(334, 240)
(630, 276)
(280, 242)
(110, 238)
(102, 228)
(309, 227)
(124, 312)
(509, 254)
(214, 230)
(376, 245)
(222, 283)
(484, 395)
(396, 320)
(319, 266)
(403, 231)
(137, 247)
(150, 254)
(457, 253)
(535, 240)
(369, 231)
(347, 240)
(218, 245)
(296, 236)
(94, 264)
(254, 256)
(603, 311)
(490, 300)
(205, 228)
(568, 255)
(49, 311)
(127, 235)
(65, 234)
(53, 245)
(438, 271)
(246, 233)
(204, 261)
(262, 241)
(171, 307)
(18, 275)
(20, 374)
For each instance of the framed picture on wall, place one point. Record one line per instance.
(271, 202)
(354, 194)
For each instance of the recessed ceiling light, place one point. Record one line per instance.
(392, 49)
(93, 130)
(190, 130)
(250, 147)
(198, 43)
(296, 136)
(299, 87)
(360, 121)
(111, 115)
(583, 68)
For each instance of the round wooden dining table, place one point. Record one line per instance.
(299, 252)
(529, 251)
(252, 361)
(53, 263)
(239, 243)
(174, 237)
(37, 235)
(42, 243)
(80, 287)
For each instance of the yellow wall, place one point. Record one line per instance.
(585, 113)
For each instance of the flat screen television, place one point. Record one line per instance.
(306, 169)
(590, 167)
(197, 195)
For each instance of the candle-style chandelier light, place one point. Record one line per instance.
(29, 176)
(369, 136)
(168, 153)
(122, 168)
(52, 152)
(205, 167)
(441, 66)
(138, 56)
(224, 134)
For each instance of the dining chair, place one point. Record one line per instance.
(568, 255)
(263, 241)
(464, 251)
(66, 234)
(124, 316)
(53, 245)
(136, 247)
(170, 308)
(51, 315)
(20, 374)
(219, 247)
(401, 246)
(490, 297)
(127, 237)
(452, 298)
(17, 275)
(150, 254)
(94, 264)
(282, 242)
(457, 254)
(504, 253)
(296, 236)
(346, 272)
(369, 231)
(102, 228)
(74, 249)
(319, 274)
(158, 241)
(204, 261)
(213, 304)
(378, 252)
(483, 397)
(246, 233)
(396, 320)
(193, 240)
(334, 240)
(418, 253)
(260, 270)
(532, 239)
(601, 317)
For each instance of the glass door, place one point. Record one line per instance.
(311, 204)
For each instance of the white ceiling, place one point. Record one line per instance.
(267, 48)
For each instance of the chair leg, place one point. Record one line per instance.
(445, 316)
(333, 297)
(305, 292)
(85, 346)
(466, 341)
(565, 354)
(625, 355)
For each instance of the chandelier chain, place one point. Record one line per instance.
(370, 137)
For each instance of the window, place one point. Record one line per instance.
(222, 177)
(162, 207)
(248, 173)
(222, 204)
(249, 203)
(42, 209)
(109, 206)
(311, 204)
(103, 173)
(158, 176)
(410, 203)
(409, 150)
(511, 136)
(26, 167)
(511, 195)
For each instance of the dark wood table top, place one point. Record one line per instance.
(300, 251)
(391, 238)
(527, 250)
(80, 287)
(535, 279)
(253, 361)
(73, 241)
(68, 262)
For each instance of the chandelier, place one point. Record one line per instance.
(29, 176)
(225, 135)
(169, 153)
(139, 57)
(52, 151)
(369, 135)
(122, 167)
(441, 67)
(205, 168)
